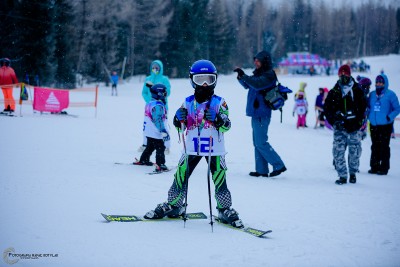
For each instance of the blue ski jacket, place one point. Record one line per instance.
(261, 79)
(383, 108)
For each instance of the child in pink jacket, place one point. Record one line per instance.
(300, 108)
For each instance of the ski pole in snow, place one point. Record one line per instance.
(186, 184)
(208, 179)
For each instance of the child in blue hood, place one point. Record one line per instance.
(383, 107)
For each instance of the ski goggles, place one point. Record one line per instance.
(201, 79)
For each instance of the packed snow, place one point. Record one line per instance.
(57, 174)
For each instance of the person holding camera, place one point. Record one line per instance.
(345, 108)
(263, 77)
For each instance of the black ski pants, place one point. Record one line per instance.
(380, 148)
(158, 146)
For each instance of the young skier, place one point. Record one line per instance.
(155, 128)
(300, 108)
(204, 116)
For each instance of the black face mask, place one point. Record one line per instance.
(345, 80)
(203, 93)
(365, 89)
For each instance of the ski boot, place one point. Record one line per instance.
(353, 178)
(341, 180)
(162, 210)
(230, 216)
(142, 162)
(161, 168)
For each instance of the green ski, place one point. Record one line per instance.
(134, 218)
(249, 230)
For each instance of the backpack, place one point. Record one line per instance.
(275, 98)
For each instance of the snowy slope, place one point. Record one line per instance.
(57, 174)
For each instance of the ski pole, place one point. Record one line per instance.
(186, 184)
(208, 179)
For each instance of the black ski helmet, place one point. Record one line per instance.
(158, 91)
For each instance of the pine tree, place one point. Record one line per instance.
(220, 36)
(64, 76)
(34, 40)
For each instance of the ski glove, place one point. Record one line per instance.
(149, 84)
(165, 135)
(240, 72)
(212, 116)
(181, 114)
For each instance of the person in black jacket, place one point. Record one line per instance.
(344, 109)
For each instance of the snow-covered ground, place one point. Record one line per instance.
(57, 174)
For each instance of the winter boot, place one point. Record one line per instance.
(353, 178)
(277, 172)
(257, 174)
(230, 216)
(162, 210)
(382, 172)
(341, 180)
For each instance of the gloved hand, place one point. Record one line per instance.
(165, 135)
(214, 117)
(210, 114)
(387, 118)
(240, 72)
(149, 84)
(181, 114)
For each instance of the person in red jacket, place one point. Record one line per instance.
(7, 77)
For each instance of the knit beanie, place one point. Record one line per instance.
(344, 69)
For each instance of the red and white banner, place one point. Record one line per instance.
(46, 99)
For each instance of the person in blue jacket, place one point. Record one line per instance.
(263, 77)
(114, 81)
(156, 77)
(383, 108)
